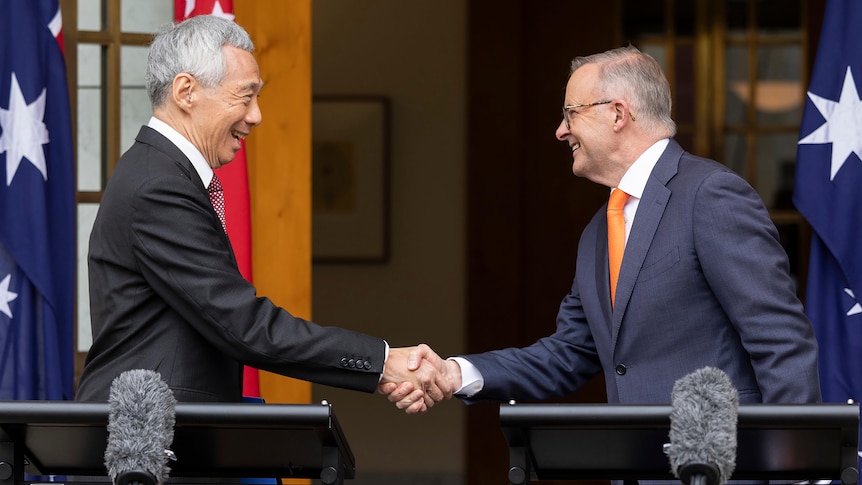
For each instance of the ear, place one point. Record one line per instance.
(622, 114)
(182, 90)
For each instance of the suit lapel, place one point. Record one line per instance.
(158, 141)
(603, 285)
(650, 211)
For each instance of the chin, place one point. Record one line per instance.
(226, 160)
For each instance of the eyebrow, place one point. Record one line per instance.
(252, 86)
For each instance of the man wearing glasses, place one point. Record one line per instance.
(694, 275)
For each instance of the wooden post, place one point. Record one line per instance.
(279, 164)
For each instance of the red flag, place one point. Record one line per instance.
(234, 177)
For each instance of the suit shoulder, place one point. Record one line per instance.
(694, 163)
(153, 155)
(697, 170)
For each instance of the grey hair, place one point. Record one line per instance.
(193, 46)
(636, 76)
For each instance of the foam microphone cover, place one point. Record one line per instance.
(141, 422)
(703, 424)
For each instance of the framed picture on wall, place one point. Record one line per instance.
(350, 179)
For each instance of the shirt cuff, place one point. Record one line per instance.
(385, 358)
(471, 379)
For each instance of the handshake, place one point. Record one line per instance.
(416, 378)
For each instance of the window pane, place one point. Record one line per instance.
(90, 114)
(737, 84)
(135, 107)
(146, 17)
(86, 216)
(133, 64)
(90, 15)
(657, 52)
(779, 87)
(776, 162)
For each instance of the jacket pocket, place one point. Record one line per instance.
(658, 266)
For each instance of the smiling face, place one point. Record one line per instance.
(589, 131)
(223, 115)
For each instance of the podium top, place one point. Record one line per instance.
(605, 441)
(210, 439)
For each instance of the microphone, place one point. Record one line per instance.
(141, 422)
(703, 419)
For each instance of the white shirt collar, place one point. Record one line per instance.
(635, 179)
(205, 172)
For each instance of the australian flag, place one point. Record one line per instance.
(828, 193)
(37, 205)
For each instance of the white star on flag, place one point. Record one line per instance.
(190, 6)
(24, 132)
(6, 296)
(219, 12)
(843, 124)
(857, 308)
(56, 24)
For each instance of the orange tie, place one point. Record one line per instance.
(616, 236)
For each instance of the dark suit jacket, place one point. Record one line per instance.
(703, 282)
(166, 294)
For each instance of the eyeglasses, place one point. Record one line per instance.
(569, 110)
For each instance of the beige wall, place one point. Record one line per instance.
(413, 52)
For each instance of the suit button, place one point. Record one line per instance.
(367, 365)
(359, 363)
(344, 362)
(621, 370)
(351, 363)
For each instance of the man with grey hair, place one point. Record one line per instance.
(693, 276)
(165, 291)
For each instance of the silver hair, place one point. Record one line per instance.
(193, 46)
(636, 76)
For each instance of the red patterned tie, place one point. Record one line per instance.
(217, 199)
(616, 237)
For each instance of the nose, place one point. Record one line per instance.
(254, 116)
(562, 131)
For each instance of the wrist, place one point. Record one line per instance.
(453, 374)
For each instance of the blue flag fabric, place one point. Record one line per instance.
(37, 206)
(828, 193)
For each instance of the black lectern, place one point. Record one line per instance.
(211, 441)
(620, 442)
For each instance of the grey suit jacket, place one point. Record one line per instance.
(166, 294)
(703, 282)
